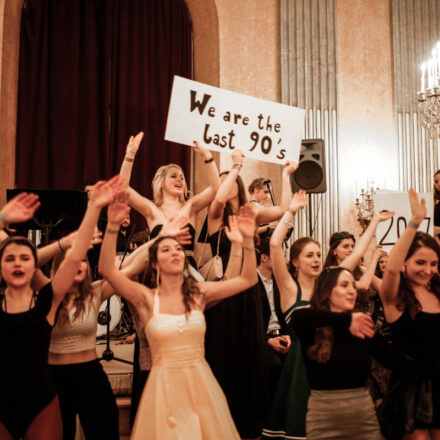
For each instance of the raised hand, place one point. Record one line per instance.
(290, 168)
(237, 157)
(378, 252)
(20, 209)
(361, 325)
(246, 221)
(299, 201)
(133, 144)
(118, 210)
(202, 150)
(104, 192)
(418, 208)
(233, 232)
(178, 229)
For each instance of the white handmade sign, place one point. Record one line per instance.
(224, 120)
(388, 232)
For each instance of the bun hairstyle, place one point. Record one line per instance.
(158, 180)
(190, 289)
(321, 350)
(21, 241)
(406, 298)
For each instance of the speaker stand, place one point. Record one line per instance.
(310, 216)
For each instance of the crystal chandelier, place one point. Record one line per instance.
(364, 206)
(429, 97)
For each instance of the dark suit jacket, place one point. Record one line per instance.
(266, 306)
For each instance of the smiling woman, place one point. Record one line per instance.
(337, 346)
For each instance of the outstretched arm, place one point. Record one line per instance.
(130, 290)
(367, 278)
(215, 291)
(102, 194)
(233, 268)
(222, 195)
(19, 209)
(130, 154)
(271, 213)
(391, 276)
(361, 245)
(286, 285)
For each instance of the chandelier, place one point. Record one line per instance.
(364, 206)
(429, 97)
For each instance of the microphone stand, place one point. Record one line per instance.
(268, 184)
(107, 354)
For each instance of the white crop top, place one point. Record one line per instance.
(79, 334)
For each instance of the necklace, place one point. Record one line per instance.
(34, 295)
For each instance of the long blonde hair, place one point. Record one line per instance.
(158, 180)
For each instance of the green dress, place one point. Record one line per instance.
(287, 417)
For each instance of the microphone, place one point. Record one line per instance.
(267, 182)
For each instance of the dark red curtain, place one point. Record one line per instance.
(93, 72)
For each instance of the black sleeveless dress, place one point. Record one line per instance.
(419, 338)
(235, 347)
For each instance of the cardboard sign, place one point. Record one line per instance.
(388, 232)
(224, 120)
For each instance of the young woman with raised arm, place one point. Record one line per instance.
(411, 297)
(286, 419)
(236, 351)
(181, 397)
(29, 405)
(170, 192)
(337, 345)
(346, 252)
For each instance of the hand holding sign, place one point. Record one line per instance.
(226, 120)
(417, 210)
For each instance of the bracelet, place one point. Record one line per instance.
(59, 245)
(211, 159)
(112, 231)
(237, 255)
(237, 166)
(286, 222)
(291, 211)
(128, 159)
(414, 225)
(249, 248)
(3, 220)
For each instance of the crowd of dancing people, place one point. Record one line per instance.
(247, 344)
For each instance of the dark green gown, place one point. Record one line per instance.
(287, 418)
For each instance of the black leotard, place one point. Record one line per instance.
(26, 386)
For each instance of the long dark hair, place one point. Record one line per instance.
(21, 241)
(406, 299)
(228, 211)
(321, 350)
(190, 289)
(82, 301)
(436, 192)
(295, 251)
(331, 259)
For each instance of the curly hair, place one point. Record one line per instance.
(406, 299)
(190, 288)
(82, 301)
(321, 350)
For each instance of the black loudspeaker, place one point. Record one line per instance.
(310, 175)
